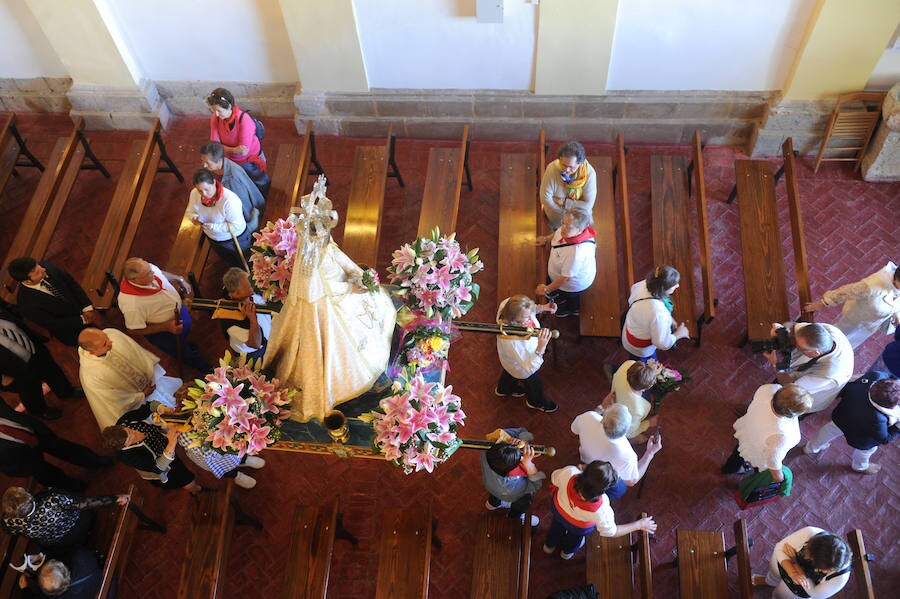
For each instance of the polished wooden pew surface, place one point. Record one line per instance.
(517, 254)
(600, 305)
(701, 564)
(362, 229)
(404, 556)
(309, 557)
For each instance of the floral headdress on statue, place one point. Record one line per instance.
(313, 221)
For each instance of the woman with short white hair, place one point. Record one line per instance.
(572, 265)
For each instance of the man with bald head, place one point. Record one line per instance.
(152, 307)
(118, 375)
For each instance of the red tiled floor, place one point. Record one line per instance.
(850, 230)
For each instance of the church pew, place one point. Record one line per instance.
(124, 214)
(203, 568)
(702, 561)
(609, 567)
(313, 531)
(801, 264)
(404, 557)
(502, 557)
(670, 193)
(765, 290)
(11, 147)
(517, 256)
(443, 181)
(39, 224)
(362, 225)
(600, 304)
(861, 576)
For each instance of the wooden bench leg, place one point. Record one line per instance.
(732, 195)
(393, 170)
(164, 156)
(435, 541)
(95, 164)
(466, 167)
(242, 517)
(23, 149)
(342, 533)
(147, 523)
(316, 168)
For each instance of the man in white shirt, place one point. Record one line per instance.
(821, 363)
(601, 435)
(153, 308)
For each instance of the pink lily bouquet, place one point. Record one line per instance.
(236, 409)
(272, 259)
(667, 381)
(435, 275)
(415, 427)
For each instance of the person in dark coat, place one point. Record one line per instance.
(78, 574)
(25, 363)
(867, 416)
(50, 297)
(23, 442)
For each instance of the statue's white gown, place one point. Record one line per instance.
(329, 341)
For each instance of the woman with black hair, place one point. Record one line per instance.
(218, 211)
(809, 563)
(236, 130)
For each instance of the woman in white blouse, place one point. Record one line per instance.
(218, 211)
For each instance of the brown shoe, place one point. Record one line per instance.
(872, 469)
(759, 580)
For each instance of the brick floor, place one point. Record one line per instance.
(850, 230)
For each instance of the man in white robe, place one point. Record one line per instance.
(118, 375)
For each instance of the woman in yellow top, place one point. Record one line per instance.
(568, 182)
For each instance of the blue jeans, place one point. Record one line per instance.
(617, 491)
(259, 177)
(644, 360)
(564, 534)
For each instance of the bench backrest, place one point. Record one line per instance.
(113, 536)
(763, 264)
(362, 224)
(289, 177)
(742, 546)
(443, 181)
(861, 577)
(123, 217)
(699, 187)
(801, 264)
(309, 556)
(404, 556)
(622, 192)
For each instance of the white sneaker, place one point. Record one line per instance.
(503, 504)
(568, 556)
(535, 521)
(254, 462)
(244, 481)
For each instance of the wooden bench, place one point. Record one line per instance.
(313, 531)
(502, 557)
(518, 258)
(609, 563)
(362, 224)
(670, 193)
(861, 577)
(765, 290)
(404, 557)
(443, 181)
(203, 569)
(12, 146)
(37, 228)
(702, 562)
(124, 214)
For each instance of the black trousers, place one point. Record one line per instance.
(532, 386)
(517, 507)
(566, 302)
(41, 368)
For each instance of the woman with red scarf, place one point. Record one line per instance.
(236, 131)
(572, 265)
(580, 506)
(218, 211)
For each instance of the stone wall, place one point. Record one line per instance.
(40, 94)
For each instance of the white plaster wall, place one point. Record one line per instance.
(706, 44)
(26, 51)
(887, 72)
(438, 44)
(207, 40)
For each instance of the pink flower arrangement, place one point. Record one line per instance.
(415, 427)
(668, 380)
(272, 259)
(236, 409)
(435, 276)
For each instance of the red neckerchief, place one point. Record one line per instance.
(231, 121)
(517, 471)
(129, 288)
(210, 202)
(588, 233)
